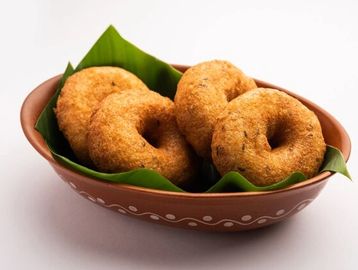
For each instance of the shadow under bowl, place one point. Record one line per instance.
(234, 211)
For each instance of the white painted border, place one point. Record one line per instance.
(206, 219)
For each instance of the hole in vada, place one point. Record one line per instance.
(151, 132)
(275, 140)
(277, 135)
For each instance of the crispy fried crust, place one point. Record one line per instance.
(80, 94)
(266, 135)
(133, 129)
(202, 94)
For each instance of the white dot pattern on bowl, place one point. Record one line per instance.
(91, 199)
(301, 207)
(207, 220)
(261, 221)
(101, 201)
(170, 216)
(72, 185)
(246, 218)
(121, 211)
(280, 212)
(154, 217)
(132, 208)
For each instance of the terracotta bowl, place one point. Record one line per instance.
(212, 212)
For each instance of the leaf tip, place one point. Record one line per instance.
(347, 174)
(112, 29)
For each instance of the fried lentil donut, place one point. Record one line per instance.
(202, 94)
(80, 94)
(266, 135)
(133, 129)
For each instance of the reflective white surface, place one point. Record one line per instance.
(311, 49)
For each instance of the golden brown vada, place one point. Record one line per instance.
(80, 94)
(132, 129)
(202, 94)
(266, 135)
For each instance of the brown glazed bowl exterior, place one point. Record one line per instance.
(200, 211)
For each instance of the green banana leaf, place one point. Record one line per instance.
(112, 50)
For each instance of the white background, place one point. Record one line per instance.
(311, 49)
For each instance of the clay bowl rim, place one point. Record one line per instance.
(28, 120)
